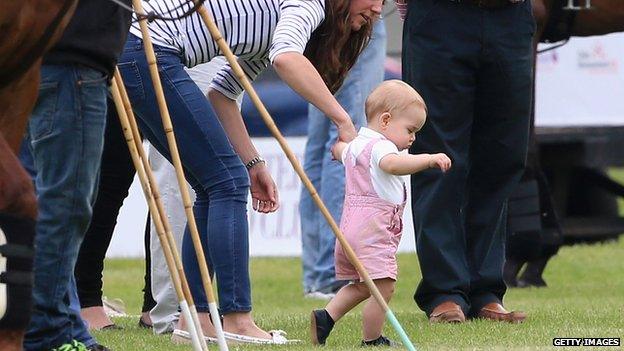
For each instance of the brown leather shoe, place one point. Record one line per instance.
(447, 312)
(495, 311)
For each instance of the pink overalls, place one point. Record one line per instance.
(371, 225)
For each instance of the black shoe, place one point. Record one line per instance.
(143, 324)
(536, 282)
(98, 347)
(320, 327)
(381, 341)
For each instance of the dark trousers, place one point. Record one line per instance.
(473, 67)
(116, 175)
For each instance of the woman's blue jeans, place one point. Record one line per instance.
(211, 166)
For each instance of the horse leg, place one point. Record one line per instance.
(18, 212)
(532, 274)
(606, 16)
(16, 265)
(17, 195)
(517, 249)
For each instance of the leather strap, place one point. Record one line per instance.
(17, 278)
(16, 251)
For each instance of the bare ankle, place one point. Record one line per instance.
(147, 319)
(11, 340)
(95, 317)
(238, 320)
(204, 320)
(243, 323)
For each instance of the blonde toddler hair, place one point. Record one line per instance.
(392, 95)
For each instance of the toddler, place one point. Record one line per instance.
(375, 196)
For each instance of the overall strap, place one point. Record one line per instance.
(359, 180)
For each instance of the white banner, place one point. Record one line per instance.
(276, 234)
(581, 83)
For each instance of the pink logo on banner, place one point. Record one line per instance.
(548, 61)
(597, 60)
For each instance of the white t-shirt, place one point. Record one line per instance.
(388, 186)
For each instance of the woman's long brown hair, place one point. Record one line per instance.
(333, 47)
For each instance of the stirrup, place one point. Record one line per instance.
(16, 271)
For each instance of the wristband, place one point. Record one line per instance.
(254, 161)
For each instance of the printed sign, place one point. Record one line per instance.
(276, 234)
(581, 83)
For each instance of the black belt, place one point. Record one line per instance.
(490, 4)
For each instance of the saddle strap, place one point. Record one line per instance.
(559, 24)
(17, 278)
(16, 251)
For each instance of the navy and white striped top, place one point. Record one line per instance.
(256, 31)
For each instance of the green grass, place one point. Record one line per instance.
(585, 298)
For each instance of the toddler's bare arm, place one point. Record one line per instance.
(404, 164)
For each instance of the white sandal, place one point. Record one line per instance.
(278, 337)
(114, 307)
(180, 336)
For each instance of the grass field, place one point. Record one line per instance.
(585, 298)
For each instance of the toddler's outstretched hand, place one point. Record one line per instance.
(440, 161)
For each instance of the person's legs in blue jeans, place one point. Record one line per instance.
(65, 136)
(318, 132)
(215, 171)
(365, 75)
(116, 176)
(80, 328)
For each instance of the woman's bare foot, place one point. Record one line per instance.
(95, 317)
(204, 319)
(237, 323)
(243, 324)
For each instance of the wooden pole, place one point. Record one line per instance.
(162, 214)
(266, 117)
(177, 163)
(148, 191)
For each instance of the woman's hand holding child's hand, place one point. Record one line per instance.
(346, 131)
(440, 161)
